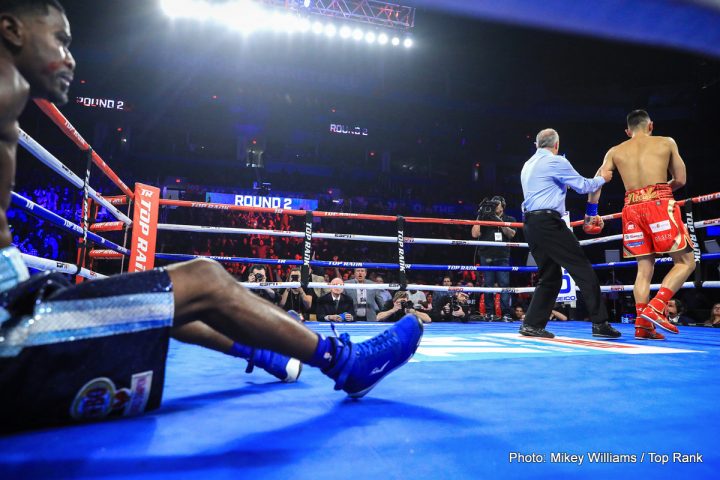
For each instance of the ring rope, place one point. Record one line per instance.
(39, 152)
(39, 263)
(389, 218)
(45, 214)
(59, 119)
(329, 236)
(384, 266)
(442, 288)
(108, 226)
(342, 215)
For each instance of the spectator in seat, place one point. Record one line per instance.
(335, 306)
(676, 313)
(714, 320)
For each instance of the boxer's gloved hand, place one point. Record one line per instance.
(593, 223)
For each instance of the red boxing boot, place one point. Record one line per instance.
(655, 312)
(645, 330)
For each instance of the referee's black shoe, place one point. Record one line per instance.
(604, 330)
(528, 331)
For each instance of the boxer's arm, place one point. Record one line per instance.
(608, 165)
(676, 167)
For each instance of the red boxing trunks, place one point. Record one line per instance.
(652, 223)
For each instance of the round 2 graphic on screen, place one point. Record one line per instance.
(107, 103)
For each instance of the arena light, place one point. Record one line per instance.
(237, 17)
(345, 31)
(358, 34)
(178, 8)
(284, 22)
(248, 16)
(304, 25)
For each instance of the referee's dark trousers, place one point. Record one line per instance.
(553, 245)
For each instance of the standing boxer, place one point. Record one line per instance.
(652, 223)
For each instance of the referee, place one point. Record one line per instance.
(545, 179)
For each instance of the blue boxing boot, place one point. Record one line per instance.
(284, 368)
(358, 367)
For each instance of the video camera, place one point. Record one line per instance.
(488, 207)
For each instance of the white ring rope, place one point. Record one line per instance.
(335, 236)
(58, 167)
(381, 239)
(54, 265)
(442, 288)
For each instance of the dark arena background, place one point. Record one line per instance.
(417, 110)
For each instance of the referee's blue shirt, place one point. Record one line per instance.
(545, 178)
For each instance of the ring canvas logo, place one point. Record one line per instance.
(492, 346)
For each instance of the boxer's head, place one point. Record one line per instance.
(638, 121)
(36, 34)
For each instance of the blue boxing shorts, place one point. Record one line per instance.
(73, 353)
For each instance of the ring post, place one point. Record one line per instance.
(144, 233)
(82, 242)
(307, 251)
(690, 222)
(401, 251)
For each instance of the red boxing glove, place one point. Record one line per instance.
(593, 225)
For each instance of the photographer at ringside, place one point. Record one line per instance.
(258, 274)
(401, 305)
(294, 300)
(453, 308)
(493, 210)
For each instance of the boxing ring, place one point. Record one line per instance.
(476, 401)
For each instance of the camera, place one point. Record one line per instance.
(294, 277)
(407, 304)
(454, 303)
(488, 207)
(256, 277)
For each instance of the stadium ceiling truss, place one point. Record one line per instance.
(370, 12)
